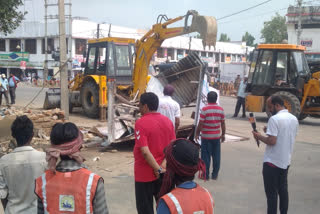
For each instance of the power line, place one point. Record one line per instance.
(247, 17)
(241, 11)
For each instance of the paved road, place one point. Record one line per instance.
(25, 93)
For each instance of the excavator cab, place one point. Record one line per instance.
(282, 69)
(278, 67)
(112, 57)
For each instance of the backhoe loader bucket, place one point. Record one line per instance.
(52, 99)
(206, 26)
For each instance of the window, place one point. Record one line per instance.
(216, 57)
(14, 44)
(254, 57)
(81, 45)
(50, 46)
(233, 57)
(123, 60)
(2, 45)
(222, 58)
(31, 46)
(170, 53)
(160, 53)
(281, 68)
(203, 54)
(301, 63)
(101, 64)
(91, 58)
(179, 54)
(262, 73)
(210, 54)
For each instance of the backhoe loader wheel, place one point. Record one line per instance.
(302, 116)
(291, 102)
(90, 99)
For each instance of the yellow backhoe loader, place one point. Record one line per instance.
(282, 69)
(127, 62)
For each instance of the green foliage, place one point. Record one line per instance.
(10, 16)
(224, 38)
(275, 31)
(248, 38)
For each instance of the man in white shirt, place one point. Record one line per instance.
(281, 133)
(19, 169)
(169, 107)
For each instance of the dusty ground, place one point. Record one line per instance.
(239, 188)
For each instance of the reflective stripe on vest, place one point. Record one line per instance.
(44, 194)
(88, 193)
(176, 203)
(210, 198)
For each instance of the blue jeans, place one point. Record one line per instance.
(211, 148)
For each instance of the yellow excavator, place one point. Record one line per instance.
(282, 69)
(127, 62)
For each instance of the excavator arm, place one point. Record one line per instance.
(145, 47)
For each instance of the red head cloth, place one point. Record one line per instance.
(71, 149)
(175, 167)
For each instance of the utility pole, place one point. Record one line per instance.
(63, 61)
(45, 73)
(98, 31)
(299, 23)
(70, 39)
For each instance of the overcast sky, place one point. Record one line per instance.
(143, 13)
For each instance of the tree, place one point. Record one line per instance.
(10, 16)
(275, 31)
(248, 38)
(224, 38)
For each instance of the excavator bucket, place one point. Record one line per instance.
(206, 26)
(52, 99)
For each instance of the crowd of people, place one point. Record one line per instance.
(57, 181)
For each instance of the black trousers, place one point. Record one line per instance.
(276, 183)
(12, 91)
(240, 102)
(145, 192)
(5, 93)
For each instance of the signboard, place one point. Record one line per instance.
(23, 65)
(208, 60)
(307, 43)
(14, 56)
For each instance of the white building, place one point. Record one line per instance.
(26, 43)
(310, 20)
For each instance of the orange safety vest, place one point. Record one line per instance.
(70, 192)
(197, 200)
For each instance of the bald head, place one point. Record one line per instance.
(168, 90)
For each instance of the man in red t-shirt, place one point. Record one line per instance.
(153, 132)
(213, 129)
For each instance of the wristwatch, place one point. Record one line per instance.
(159, 170)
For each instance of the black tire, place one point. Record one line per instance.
(291, 102)
(302, 116)
(89, 96)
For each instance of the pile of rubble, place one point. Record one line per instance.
(42, 121)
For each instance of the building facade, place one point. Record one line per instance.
(310, 25)
(27, 44)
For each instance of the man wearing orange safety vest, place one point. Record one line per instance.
(69, 187)
(179, 193)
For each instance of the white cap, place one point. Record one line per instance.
(3, 76)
